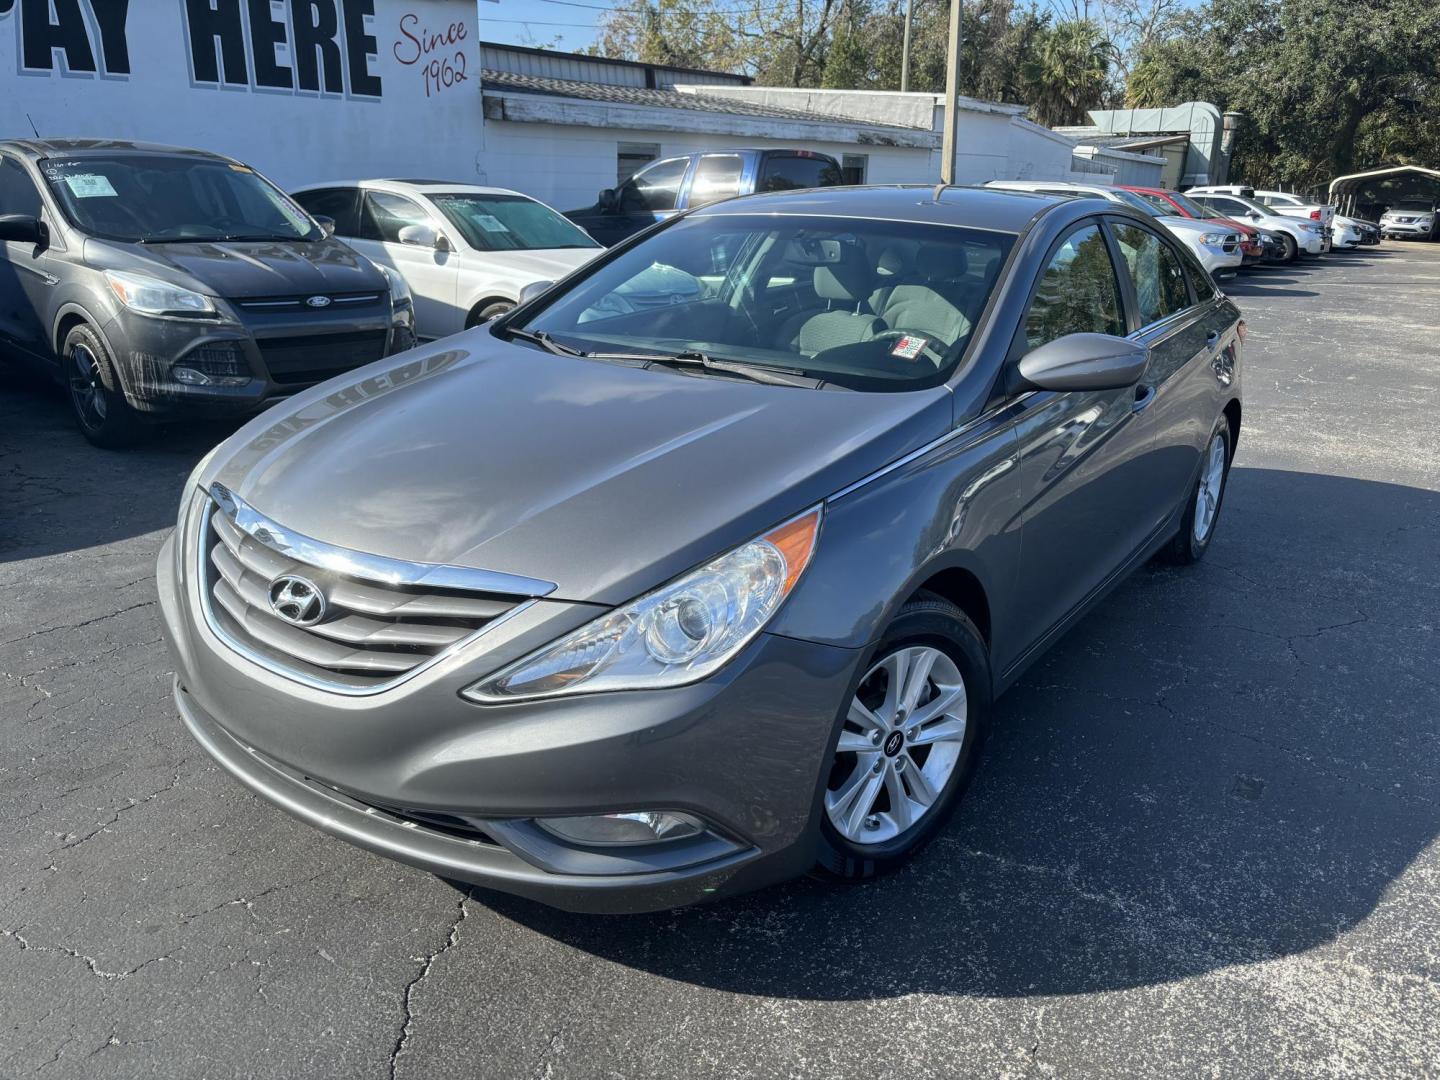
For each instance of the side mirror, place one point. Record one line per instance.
(426, 236)
(23, 230)
(1085, 362)
(327, 224)
(534, 289)
(608, 201)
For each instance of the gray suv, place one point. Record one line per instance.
(157, 282)
(623, 607)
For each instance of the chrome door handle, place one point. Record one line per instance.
(1144, 395)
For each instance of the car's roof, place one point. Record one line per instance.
(80, 147)
(996, 209)
(420, 186)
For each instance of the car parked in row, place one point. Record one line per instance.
(1172, 202)
(665, 188)
(1411, 219)
(1281, 202)
(1217, 248)
(1308, 237)
(775, 547)
(466, 252)
(156, 282)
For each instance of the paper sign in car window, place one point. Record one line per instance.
(490, 223)
(908, 347)
(90, 185)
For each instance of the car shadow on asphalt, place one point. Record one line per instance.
(59, 494)
(1221, 765)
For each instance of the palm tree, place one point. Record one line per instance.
(1068, 73)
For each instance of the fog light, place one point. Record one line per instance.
(219, 363)
(637, 827)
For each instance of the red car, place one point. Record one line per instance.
(1172, 202)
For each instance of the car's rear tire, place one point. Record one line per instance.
(1202, 508)
(96, 397)
(895, 772)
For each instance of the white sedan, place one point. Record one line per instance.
(1217, 248)
(465, 251)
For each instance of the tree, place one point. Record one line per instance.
(1068, 73)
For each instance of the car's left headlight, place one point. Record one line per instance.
(678, 634)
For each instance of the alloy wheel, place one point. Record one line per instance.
(901, 739)
(1212, 482)
(86, 389)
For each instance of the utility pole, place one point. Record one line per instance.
(905, 50)
(952, 97)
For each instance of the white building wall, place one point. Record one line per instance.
(566, 166)
(396, 92)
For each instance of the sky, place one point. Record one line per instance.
(537, 22)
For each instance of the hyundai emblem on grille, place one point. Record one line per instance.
(297, 600)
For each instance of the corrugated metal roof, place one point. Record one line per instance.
(661, 99)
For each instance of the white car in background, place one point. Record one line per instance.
(1282, 202)
(1217, 248)
(465, 251)
(1411, 219)
(1308, 236)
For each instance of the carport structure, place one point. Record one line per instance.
(1370, 194)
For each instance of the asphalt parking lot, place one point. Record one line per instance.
(1203, 842)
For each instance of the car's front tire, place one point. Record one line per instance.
(483, 313)
(1292, 249)
(96, 397)
(908, 742)
(1202, 509)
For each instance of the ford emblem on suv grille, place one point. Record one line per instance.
(318, 301)
(296, 600)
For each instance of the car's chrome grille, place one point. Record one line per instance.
(373, 629)
(303, 302)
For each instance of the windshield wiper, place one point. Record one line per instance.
(544, 340)
(762, 373)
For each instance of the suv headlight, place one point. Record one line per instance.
(1212, 238)
(399, 290)
(151, 296)
(678, 634)
(1311, 227)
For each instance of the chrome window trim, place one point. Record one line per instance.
(202, 589)
(359, 564)
(950, 436)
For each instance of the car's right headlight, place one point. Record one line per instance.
(678, 634)
(151, 296)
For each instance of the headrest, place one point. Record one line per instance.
(894, 260)
(937, 261)
(848, 278)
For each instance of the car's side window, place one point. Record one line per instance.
(1155, 271)
(339, 203)
(656, 188)
(717, 176)
(18, 194)
(1078, 292)
(386, 214)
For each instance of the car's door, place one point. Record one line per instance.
(430, 271)
(25, 277)
(651, 195)
(1082, 472)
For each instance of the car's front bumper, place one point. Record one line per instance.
(743, 750)
(1217, 260)
(1409, 228)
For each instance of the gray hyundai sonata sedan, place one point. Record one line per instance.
(703, 568)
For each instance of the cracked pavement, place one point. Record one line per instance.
(1203, 842)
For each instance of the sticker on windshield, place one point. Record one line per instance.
(908, 347)
(490, 223)
(90, 185)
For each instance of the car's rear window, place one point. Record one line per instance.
(873, 305)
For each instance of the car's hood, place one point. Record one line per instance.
(237, 270)
(1231, 225)
(604, 479)
(551, 264)
(1190, 226)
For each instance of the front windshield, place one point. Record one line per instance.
(1259, 208)
(1190, 206)
(1157, 204)
(1141, 204)
(509, 223)
(152, 198)
(868, 305)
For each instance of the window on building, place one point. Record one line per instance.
(631, 157)
(853, 168)
(717, 176)
(385, 215)
(1155, 270)
(1078, 293)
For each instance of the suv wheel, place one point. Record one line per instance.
(99, 404)
(908, 742)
